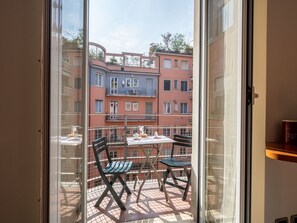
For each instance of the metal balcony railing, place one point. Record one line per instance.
(98, 52)
(131, 118)
(140, 92)
(118, 149)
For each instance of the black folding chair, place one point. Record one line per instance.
(114, 168)
(178, 162)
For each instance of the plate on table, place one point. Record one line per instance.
(157, 137)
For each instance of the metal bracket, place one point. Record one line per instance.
(251, 95)
(254, 95)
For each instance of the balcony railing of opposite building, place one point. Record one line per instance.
(140, 92)
(98, 52)
(131, 118)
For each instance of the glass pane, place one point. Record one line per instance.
(66, 115)
(223, 111)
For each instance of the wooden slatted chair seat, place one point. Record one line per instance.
(115, 168)
(175, 162)
(118, 167)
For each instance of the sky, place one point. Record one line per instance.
(131, 25)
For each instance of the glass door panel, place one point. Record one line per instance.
(67, 111)
(223, 114)
(113, 85)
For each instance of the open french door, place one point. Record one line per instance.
(224, 112)
(222, 84)
(67, 110)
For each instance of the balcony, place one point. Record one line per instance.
(124, 61)
(152, 203)
(140, 92)
(131, 118)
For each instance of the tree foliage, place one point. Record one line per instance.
(73, 39)
(172, 44)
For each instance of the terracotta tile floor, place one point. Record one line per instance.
(152, 206)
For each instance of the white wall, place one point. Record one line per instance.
(20, 110)
(281, 177)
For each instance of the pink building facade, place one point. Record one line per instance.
(132, 89)
(175, 92)
(125, 91)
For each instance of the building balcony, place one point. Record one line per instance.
(141, 92)
(131, 118)
(124, 61)
(152, 203)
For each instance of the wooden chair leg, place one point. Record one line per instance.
(108, 185)
(112, 191)
(165, 178)
(124, 185)
(115, 195)
(188, 184)
(173, 176)
(101, 197)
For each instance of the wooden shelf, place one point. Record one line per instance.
(281, 151)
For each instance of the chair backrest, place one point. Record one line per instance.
(99, 146)
(181, 140)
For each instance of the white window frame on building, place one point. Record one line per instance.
(175, 84)
(99, 79)
(135, 106)
(114, 85)
(167, 63)
(135, 82)
(185, 65)
(128, 82)
(166, 152)
(166, 131)
(128, 106)
(98, 106)
(184, 108)
(174, 131)
(113, 154)
(183, 150)
(98, 133)
(113, 135)
(167, 108)
(183, 131)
